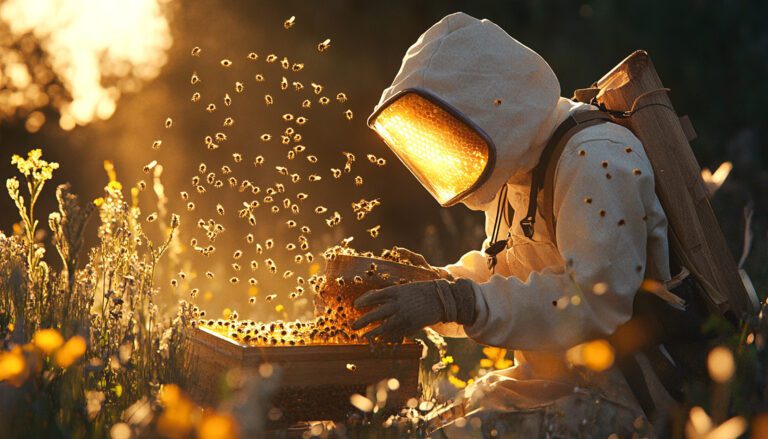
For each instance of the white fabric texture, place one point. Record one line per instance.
(542, 298)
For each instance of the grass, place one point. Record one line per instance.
(87, 350)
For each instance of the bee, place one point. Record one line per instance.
(320, 209)
(295, 179)
(380, 162)
(239, 87)
(259, 250)
(211, 107)
(252, 300)
(358, 181)
(341, 97)
(306, 103)
(317, 88)
(220, 209)
(371, 158)
(142, 185)
(209, 274)
(259, 77)
(269, 243)
(252, 281)
(284, 84)
(296, 67)
(324, 100)
(295, 209)
(226, 170)
(270, 297)
(226, 63)
(290, 223)
(358, 280)
(314, 177)
(255, 265)
(236, 266)
(156, 144)
(168, 122)
(290, 246)
(289, 131)
(287, 274)
(195, 96)
(284, 63)
(312, 159)
(152, 217)
(196, 51)
(298, 86)
(271, 58)
(336, 172)
(190, 206)
(259, 160)
(291, 155)
(323, 46)
(150, 166)
(298, 258)
(304, 246)
(194, 79)
(297, 136)
(234, 280)
(237, 157)
(220, 137)
(289, 22)
(301, 196)
(237, 254)
(309, 257)
(348, 114)
(301, 120)
(266, 137)
(195, 180)
(282, 170)
(306, 230)
(351, 367)
(275, 209)
(288, 117)
(268, 99)
(374, 231)
(252, 56)
(227, 100)
(228, 122)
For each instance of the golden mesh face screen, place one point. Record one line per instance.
(444, 153)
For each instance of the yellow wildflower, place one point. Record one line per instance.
(72, 350)
(47, 340)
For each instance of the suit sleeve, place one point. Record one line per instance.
(602, 192)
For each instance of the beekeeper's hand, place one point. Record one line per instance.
(404, 309)
(420, 261)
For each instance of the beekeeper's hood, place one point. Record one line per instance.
(470, 108)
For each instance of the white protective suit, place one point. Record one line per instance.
(611, 229)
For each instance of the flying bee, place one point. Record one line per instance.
(298, 258)
(270, 297)
(150, 166)
(220, 209)
(282, 170)
(211, 107)
(358, 181)
(295, 209)
(325, 45)
(298, 86)
(220, 137)
(195, 180)
(287, 274)
(209, 274)
(195, 79)
(252, 56)
(374, 231)
(269, 243)
(156, 144)
(227, 100)
(152, 217)
(305, 104)
(301, 120)
(268, 99)
(259, 160)
(190, 206)
(236, 266)
(195, 96)
(237, 157)
(301, 196)
(168, 122)
(237, 254)
(196, 51)
(142, 185)
(289, 22)
(290, 246)
(304, 246)
(239, 87)
(271, 58)
(297, 66)
(210, 178)
(309, 257)
(284, 83)
(371, 158)
(341, 97)
(275, 209)
(336, 172)
(228, 122)
(312, 159)
(249, 238)
(324, 100)
(255, 264)
(284, 63)
(259, 77)
(314, 177)
(234, 280)
(320, 209)
(252, 300)
(291, 155)
(266, 137)
(380, 162)
(287, 117)
(290, 223)
(226, 63)
(295, 179)
(289, 131)
(348, 114)
(306, 230)
(259, 249)
(297, 137)
(317, 88)
(252, 281)
(226, 170)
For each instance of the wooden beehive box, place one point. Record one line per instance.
(315, 383)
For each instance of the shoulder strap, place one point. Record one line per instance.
(544, 172)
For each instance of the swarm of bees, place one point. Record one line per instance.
(283, 198)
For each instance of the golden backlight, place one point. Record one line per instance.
(444, 153)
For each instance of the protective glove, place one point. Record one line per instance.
(419, 261)
(404, 309)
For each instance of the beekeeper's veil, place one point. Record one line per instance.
(469, 108)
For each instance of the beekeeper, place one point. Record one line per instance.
(468, 114)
